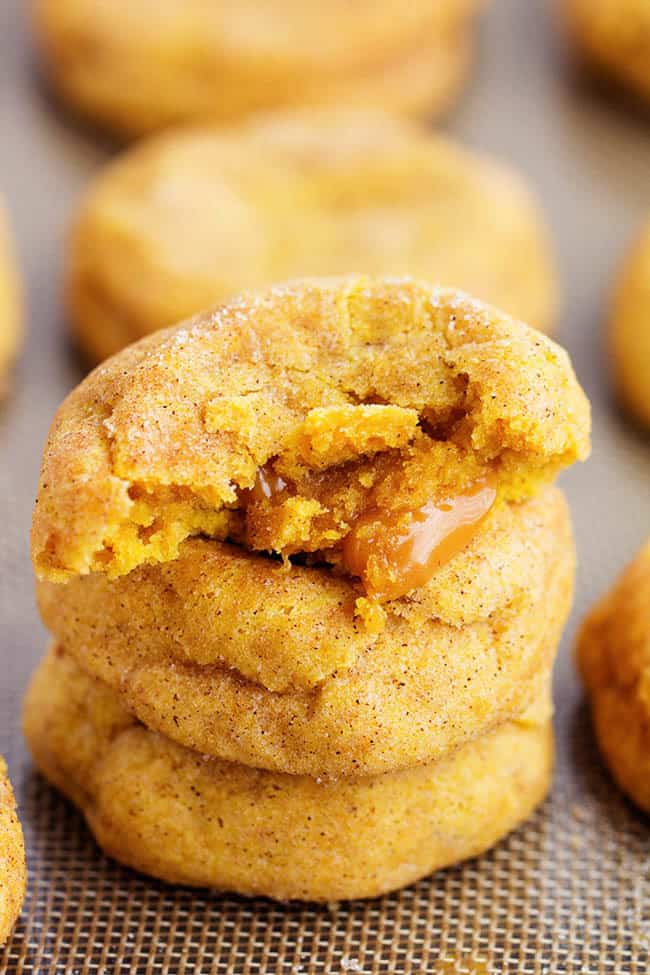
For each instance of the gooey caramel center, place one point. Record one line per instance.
(268, 486)
(394, 552)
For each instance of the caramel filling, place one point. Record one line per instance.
(391, 551)
(394, 552)
(268, 486)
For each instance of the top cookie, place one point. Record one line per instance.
(284, 418)
(139, 65)
(614, 37)
(190, 218)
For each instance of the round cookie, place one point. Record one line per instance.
(362, 392)
(10, 311)
(186, 819)
(13, 873)
(228, 654)
(135, 66)
(295, 196)
(358, 396)
(613, 37)
(629, 331)
(614, 660)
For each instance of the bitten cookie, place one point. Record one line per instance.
(287, 451)
(189, 819)
(10, 303)
(13, 873)
(614, 660)
(613, 37)
(629, 331)
(184, 221)
(135, 66)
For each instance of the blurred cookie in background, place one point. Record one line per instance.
(13, 874)
(614, 660)
(138, 65)
(10, 303)
(187, 219)
(613, 38)
(629, 331)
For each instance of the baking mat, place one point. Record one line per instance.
(567, 893)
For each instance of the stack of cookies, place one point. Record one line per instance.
(306, 574)
(135, 66)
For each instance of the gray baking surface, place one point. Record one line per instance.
(568, 892)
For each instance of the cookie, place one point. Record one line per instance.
(614, 660)
(13, 873)
(283, 418)
(629, 331)
(613, 38)
(228, 653)
(188, 819)
(10, 303)
(134, 66)
(186, 220)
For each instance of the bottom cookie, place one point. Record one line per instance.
(13, 874)
(190, 819)
(614, 661)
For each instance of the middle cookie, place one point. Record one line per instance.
(234, 656)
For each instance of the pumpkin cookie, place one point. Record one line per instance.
(614, 660)
(281, 419)
(232, 655)
(192, 820)
(135, 66)
(10, 315)
(613, 37)
(295, 196)
(13, 874)
(629, 331)
(269, 468)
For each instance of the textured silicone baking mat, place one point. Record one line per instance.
(568, 892)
